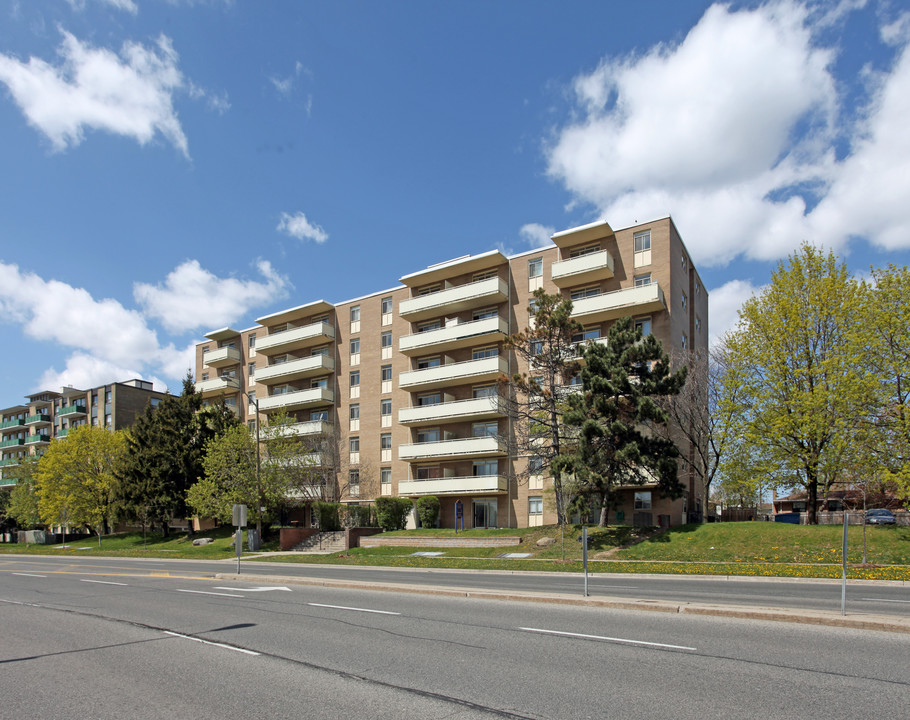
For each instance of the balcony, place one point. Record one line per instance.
(455, 486)
(10, 424)
(217, 386)
(9, 462)
(295, 369)
(295, 339)
(39, 419)
(470, 371)
(72, 410)
(222, 357)
(312, 427)
(15, 442)
(297, 400)
(582, 269)
(451, 337)
(455, 299)
(453, 449)
(482, 408)
(4, 482)
(620, 303)
(37, 439)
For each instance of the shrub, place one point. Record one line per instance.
(392, 512)
(327, 517)
(428, 511)
(359, 516)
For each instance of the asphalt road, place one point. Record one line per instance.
(883, 598)
(126, 641)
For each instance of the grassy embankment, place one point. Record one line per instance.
(763, 549)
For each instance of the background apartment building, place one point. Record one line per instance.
(27, 429)
(404, 381)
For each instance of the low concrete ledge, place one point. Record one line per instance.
(438, 542)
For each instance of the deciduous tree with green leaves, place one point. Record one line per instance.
(619, 418)
(75, 479)
(536, 399)
(800, 357)
(23, 499)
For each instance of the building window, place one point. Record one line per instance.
(205, 349)
(385, 441)
(385, 407)
(354, 483)
(643, 500)
(697, 288)
(487, 352)
(355, 314)
(319, 415)
(643, 324)
(355, 346)
(535, 267)
(583, 293)
(429, 472)
(592, 333)
(355, 411)
(485, 429)
(320, 383)
(429, 326)
(385, 476)
(642, 245)
(251, 369)
(429, 362)
(484, 314)
(684, 262)
(588, 250)
(428, 290)
(485, 468)
(429, 399)
(642, 279)
(355, 378)
(386, 340)
(535, 348)
(386, 373)
(386, 305)
(252, 340)
(355, 445)
(684, 301)
(535, 505)
(485, 275)
(684, 341)
(484, 391)
(205, 376)
(428, 435)
(535, 465)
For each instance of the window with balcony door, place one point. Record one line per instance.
(320, 383)
(319, 415)
(485, 352)
(641, 280)
(484, 314)
(429, 326)
(587, 250)
(582, 293)
(429, 399)
(485, 275)
(480, 391)
(428, 290)
(428, 435)
(324, 351)
(485, 429)
(430, 362)
(589, 333)
(643, 324)
(429, 472)
(485, 468)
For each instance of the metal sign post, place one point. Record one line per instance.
(459, 515)
(584, 555)
(843, 590)
(239, 521)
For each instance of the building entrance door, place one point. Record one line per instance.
(485, 513)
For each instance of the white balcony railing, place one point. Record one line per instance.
(584, 268)
(218, 385)
(491, 484)
(451, 449)
(619, 303)
(470, 371)
(473, 409)
(455, 299)
(222, 357)
(450, 337)
(295, 369)
(297, 400)
(295, 338)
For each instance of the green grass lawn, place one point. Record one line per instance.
(749, 548)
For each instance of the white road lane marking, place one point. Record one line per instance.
(342, 607)
(203, 592)
(208, 642)
(104, 582)
(255, 589)
(28, 575)
(885, 600)
(608, 639)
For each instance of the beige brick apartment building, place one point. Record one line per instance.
(406, 378)
(27, 429)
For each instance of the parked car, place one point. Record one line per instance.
(879, 517)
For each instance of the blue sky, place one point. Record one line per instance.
(174, 167)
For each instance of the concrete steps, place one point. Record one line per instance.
(326, 542)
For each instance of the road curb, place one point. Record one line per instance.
(807, 617)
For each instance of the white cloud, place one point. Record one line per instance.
(86, 371)
(536, 235)
(94, 88)
(127, 5)
(724, 304)
(299, 227)
(284, 85)
(191, 297)
(54, 311)
(705, 130)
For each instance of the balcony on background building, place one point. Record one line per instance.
(488, 484)
(482, 408)
(457, 448)
(491, 291)
(12, 424)
(584, 268)
(37, 439)
(455, 335)
(222, 357)
(14, 442)
(38, 419)
(296, 369)
(72, 410)
(308, 428)
(297, 400)
(638, 300)
(9, 462)
(295, 339)
(216, 386)
(470, 371)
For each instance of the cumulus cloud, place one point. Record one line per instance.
(191, 297)
(536, 235)
(297, 226)
(707, 130)
(129, 94)
(724, 304)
